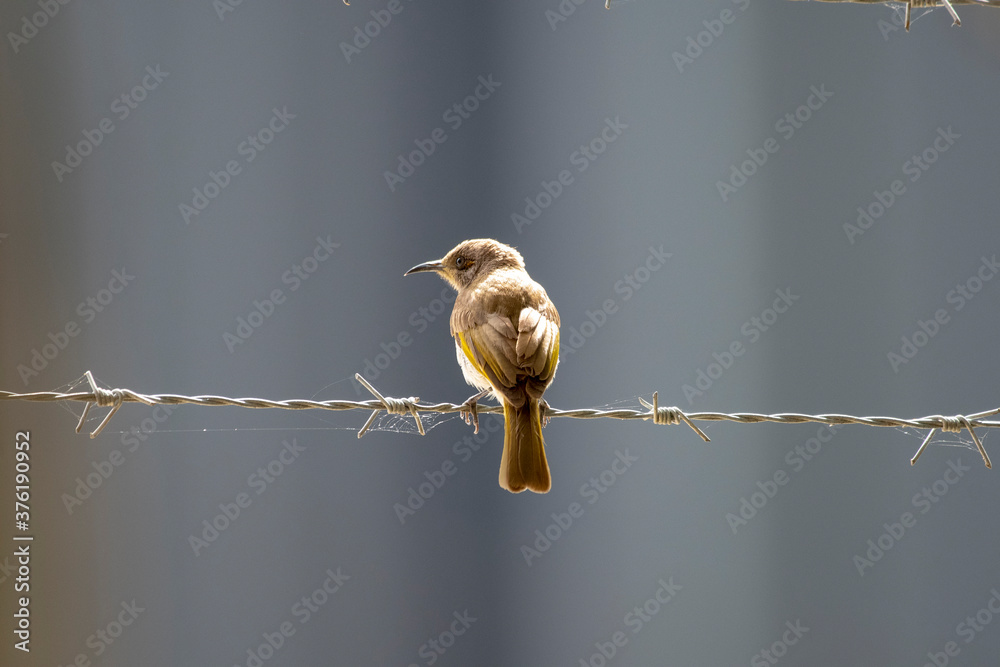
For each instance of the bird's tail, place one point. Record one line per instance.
(523, 465)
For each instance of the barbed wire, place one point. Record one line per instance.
(919, 4)
(909, 3)
(115, 398)
(926, 4)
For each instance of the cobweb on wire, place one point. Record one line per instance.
(899, 9)
(76, 408)
(943, 439)
(330, 422)
(384, 421)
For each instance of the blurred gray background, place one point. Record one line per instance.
(275, 124)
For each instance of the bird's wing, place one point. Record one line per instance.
(502, 352)
(537, 345)
(490, 346)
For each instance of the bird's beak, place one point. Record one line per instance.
(436, 265)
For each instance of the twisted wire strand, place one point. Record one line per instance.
(115, 398)
(914, 3)
(926, 4)
(922, 3)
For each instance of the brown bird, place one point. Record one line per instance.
(507, 340)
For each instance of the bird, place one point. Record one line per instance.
(506, 333)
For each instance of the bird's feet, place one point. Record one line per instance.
(469, 412)
(544, 408)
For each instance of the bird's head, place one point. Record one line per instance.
(471, 259)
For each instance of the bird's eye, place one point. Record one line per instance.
(462, 263)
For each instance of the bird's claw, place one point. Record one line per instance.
(544, 407)
(470, 412)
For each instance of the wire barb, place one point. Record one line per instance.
(954, 16)
(955, 425)
(669, 416)
(115, 398)
(104, 398)
(394, 406)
